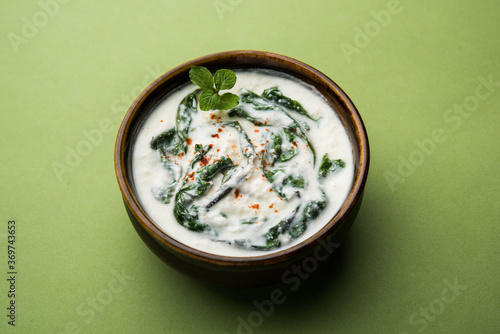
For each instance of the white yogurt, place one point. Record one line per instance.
(251, 195)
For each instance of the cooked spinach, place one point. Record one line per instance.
(172, 143)
(194, 187)
(329, 166)
(275, 95)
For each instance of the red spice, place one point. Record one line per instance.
(181, 155)
(212, 116)
(271, 206)
(236, 193)
(191, 175)
(275, 210)
(270, 190)
(215, 135)
(189, 141)
(161, 120)
(219, 130)
(254, 206)
(210, 145)
(203, 161)
(294, 143)
(256, 130)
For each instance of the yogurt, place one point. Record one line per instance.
(268, 157)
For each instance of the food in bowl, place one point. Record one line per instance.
(255, 179)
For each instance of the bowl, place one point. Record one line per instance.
(265, 268)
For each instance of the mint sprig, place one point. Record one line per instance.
(211, 86)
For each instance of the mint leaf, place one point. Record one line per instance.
(224, 79)
(209, 99)
(228, 101)
(201, 77)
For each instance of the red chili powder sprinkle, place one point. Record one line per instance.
(256, 130)
(181, 155)
(270, 190)
(254, 206)
(236, 193)
(212, 116)
(215, 135)
(203, 161)
(219, 130)
(189, 141)
(271, 206)
(275, 210)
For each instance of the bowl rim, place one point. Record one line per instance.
(176, 247)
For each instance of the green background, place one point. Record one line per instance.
(69, 71)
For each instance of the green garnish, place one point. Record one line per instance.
(329, 166)
(211, 86)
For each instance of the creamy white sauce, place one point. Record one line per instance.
(254, 199)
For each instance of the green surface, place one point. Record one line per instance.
(430, 217)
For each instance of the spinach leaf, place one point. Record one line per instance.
(194, 187)
(329, 166)
(260, 103)
(275, 95)
(172, 143)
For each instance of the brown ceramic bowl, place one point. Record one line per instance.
(264, 268)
